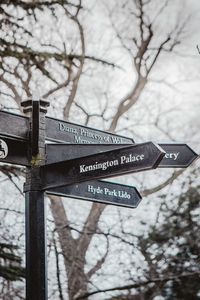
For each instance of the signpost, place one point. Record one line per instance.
(101, 192)
(70, 168)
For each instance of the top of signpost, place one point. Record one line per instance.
(27, 104)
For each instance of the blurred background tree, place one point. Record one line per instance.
(132, 68)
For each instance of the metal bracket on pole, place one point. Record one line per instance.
(36, 264)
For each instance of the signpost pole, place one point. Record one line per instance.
(36, 282)
(36, 264)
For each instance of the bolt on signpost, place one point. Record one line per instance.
(69, 169)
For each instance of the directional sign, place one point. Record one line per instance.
(131, 159)
(101, 192)
(177, 156)
(14, 151)
(58, 130)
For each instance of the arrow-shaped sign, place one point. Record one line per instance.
(17, 126)
(177, 156)
(131, 159)
(101, 192)
(59, 130)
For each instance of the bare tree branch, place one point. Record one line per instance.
(159, 187)
(141, 284)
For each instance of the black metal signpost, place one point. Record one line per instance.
(36, 264)
(68, 169)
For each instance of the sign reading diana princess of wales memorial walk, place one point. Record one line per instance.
(131, 159)
(17, 126)
(101, 192)
(58, 130)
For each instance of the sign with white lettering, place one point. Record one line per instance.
(117, 162)
(101, 192)
(59, 130)
(177, 156)
(17, 126)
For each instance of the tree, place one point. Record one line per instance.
(53, 55)
(178, 237)
(172, 248)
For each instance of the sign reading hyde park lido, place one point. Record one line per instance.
(101, 192)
